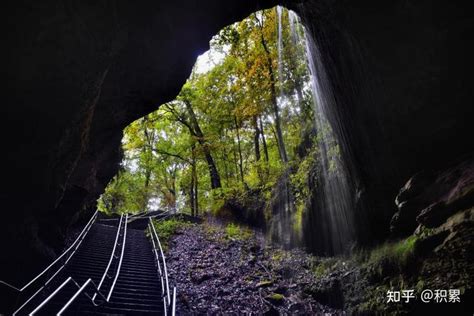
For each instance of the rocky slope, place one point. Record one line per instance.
(431, 249)
(217, 274)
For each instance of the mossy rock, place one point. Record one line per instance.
(275, 298)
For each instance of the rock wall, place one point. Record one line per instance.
(401, 71)
(77, 72)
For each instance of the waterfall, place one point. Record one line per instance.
(293, 21)
(280, 47)
(334, 216)
(282, 222)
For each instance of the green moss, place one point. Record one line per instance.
(324, 267)
(298, 217)
(209, 229)
(277, 256)
(275, 297)
(235, 232)
(397, 253)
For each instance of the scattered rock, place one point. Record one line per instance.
(199, 278)
(220, 276)
(329, 293)
(429, 243)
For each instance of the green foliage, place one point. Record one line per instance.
(124, 194)
(236, 232)
(397, 252)
(390, 258)
(223, 125)
(325, 266)
(165, 229)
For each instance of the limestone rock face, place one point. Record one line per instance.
(78, 72)
(432, 203)
(394, 75)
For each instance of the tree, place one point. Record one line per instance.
(231, 129)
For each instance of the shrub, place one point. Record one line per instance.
(396, 254)
(324, 267)
(167, 228)
(236, 232)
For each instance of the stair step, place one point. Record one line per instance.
(138, 288)
(133, 291)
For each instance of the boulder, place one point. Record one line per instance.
(431, 199)
(462, 196)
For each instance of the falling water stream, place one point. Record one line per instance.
(336, 213)
(334, 210)
(283, 201)
(280, 45)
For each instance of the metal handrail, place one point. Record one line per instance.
(94, 216)
(121, 259)
(165, 270)
(167, 303)
(162, 218)
(89, 281)
(112, 255)
(173, 306)
(159, 271)
(157, 258)
(76, 243)
(40, 306)
(81, 288)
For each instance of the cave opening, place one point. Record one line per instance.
(250, 124)
(309, 164)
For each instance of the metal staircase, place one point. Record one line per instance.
(109, 269)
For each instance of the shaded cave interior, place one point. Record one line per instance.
(81, 72)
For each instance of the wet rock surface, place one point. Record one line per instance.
(219, 275)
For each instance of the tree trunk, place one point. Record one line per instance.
(224, 159)
(276, 110)
(146, 149)
(241, 169)
(193, 185)
(256, 139)
(213, 172)
(264, 141)
(196, 193)
(191, 197)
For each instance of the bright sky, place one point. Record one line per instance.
(209, 59)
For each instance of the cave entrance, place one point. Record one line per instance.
(244, 139)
